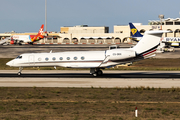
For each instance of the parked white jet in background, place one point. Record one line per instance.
(95, 60)
(171, 41)
(30, 39)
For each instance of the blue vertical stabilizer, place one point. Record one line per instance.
(134, 31)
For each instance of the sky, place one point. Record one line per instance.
(28, 15)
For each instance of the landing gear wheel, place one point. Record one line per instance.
(99, 72)
(94, 74)
(19, 73)
(20, 69)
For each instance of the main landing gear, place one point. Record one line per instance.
(20, 69)
(20, 42)
(30, 43)
(17, 42)
(96, 72)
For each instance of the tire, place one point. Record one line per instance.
(19, 73)
(99, 72)
(94, 74)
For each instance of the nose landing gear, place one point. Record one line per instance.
(20, 69)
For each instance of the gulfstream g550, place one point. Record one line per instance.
(95, 60)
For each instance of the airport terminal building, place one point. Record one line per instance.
(84, 34)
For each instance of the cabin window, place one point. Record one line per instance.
(82, 58)
(39, 59)
(61, 58)
(75, 58)
(47, 59)
(68, 58)
(118, 53)
(53, 58)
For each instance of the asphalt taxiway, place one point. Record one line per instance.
(82, 78)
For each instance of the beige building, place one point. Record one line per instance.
(120, 34)
(84, 29)
(169, 24)
(87, 35)
(100, 35)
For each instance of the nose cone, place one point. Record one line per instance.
(10, 63)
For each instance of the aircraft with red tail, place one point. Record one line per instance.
(30, 39)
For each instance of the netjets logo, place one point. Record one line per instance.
(133, 31)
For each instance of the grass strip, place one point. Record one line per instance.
(89, 103)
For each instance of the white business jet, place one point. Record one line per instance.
(95, 60)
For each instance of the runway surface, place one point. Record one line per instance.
(77, 78)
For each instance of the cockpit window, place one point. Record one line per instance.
(19, 57)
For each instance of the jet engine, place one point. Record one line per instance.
(12, 42)
(120, 54)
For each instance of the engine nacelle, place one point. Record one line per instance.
(12, 42)
(175, 44)
(118, 54)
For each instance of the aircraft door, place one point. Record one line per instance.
(31, 60)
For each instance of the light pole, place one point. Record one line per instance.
(45, 15)
(45, 39)
(161, 17)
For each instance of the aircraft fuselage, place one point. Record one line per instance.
(77, 59)
(25, 38)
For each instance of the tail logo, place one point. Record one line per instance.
(133, 30)
(41, 31)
